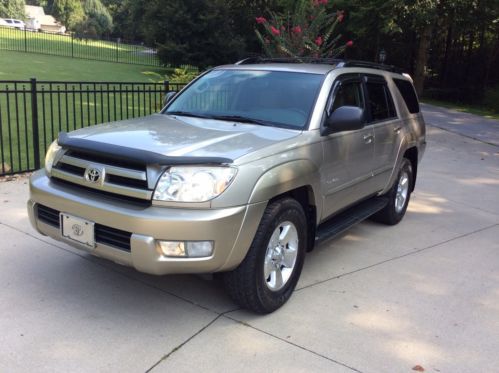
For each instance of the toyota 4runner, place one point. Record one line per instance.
(242, 172)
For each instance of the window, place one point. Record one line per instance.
(380, 101)
(348, 94)
(408, 93)
(280, 98)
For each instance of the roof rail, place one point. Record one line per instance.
(338, 63)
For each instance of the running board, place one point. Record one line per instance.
(347, 219)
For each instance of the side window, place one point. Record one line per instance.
(348, 94)
(380, 101)
(408, 93)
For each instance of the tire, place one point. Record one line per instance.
(255, 284)
(398, 196)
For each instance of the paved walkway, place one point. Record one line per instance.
(379, 299)
(473, 126)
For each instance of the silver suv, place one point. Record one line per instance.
(242, 172)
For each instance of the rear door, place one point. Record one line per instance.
(386, 125)
(346, 175)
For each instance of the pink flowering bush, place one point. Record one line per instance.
(308, 32)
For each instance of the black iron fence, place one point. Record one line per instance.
(71, 45)
(32, 113)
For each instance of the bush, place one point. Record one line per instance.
(491, 99)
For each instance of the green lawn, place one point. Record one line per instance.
(23, 66)
(65, 45)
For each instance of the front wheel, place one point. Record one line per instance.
(266, 278)
(398, 196)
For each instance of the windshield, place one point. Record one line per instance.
(274, 98)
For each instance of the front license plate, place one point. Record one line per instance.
(78, 229)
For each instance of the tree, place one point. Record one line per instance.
(308, 30)
(97, 19)
(69, 12)
(12, 9)
(194, 32)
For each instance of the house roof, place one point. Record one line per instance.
(38, 13)
(34, 11)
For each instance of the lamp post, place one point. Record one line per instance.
(382, 56)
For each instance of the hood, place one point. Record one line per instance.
(178, 136)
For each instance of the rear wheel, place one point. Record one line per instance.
(266, 278)
(399, 196)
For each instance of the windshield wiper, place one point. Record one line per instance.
(242, 119)
(188, 114)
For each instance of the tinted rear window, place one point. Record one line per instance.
(409, 94)
(380, 100)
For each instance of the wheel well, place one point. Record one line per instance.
(412, 155)
(305, 196)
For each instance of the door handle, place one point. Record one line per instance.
(368, 139)
(397, 130)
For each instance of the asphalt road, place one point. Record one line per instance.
(379, 299)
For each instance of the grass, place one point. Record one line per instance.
(65, 45)
(471, 109)
(23, 66)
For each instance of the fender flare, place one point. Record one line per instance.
(405, 144)
(286, 177)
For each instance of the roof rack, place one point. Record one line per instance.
(337, 63)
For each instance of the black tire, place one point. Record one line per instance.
(390, 215)
(246, 284)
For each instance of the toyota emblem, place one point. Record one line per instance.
(77, 230)
(93, 175)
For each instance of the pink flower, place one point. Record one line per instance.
(340, 15)
(319, 41)
(349, 43)
(260, 20)
(296, 30)
(275, 31)
(320, 2)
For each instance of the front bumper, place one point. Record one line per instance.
(231, 229)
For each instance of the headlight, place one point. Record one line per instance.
(193, 184)
(51, 153)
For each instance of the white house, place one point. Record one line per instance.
(38, 20)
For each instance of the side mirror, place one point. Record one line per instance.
(168, 97)
(345, 118)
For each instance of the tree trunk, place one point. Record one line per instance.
(421, 59)
(448, 45)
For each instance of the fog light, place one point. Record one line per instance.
(188, 249)
(172, 248)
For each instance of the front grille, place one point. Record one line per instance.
(48, 216)
(132, 183)
(103, 234)
(130, 201)
(75, 170)
(114, 176)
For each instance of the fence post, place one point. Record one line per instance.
(72, 44)
(34, 122)
(166, 83)
(25, 40)
(117, 51)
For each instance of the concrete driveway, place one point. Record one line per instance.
(421, 295)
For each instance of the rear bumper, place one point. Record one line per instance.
(231, 229)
